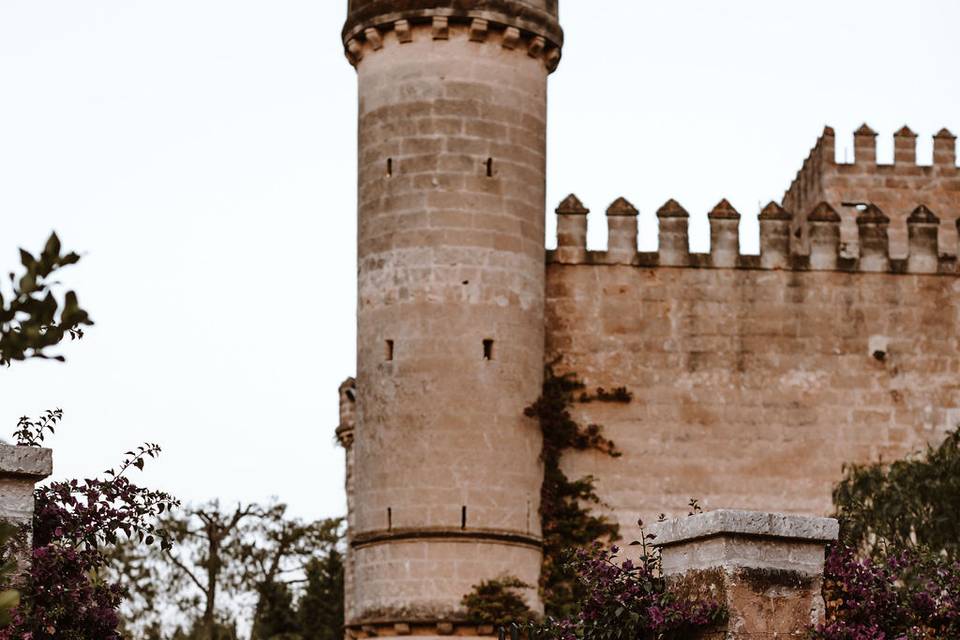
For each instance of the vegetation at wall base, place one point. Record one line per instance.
(907, 595)
(498, 602)
(909, 503)
(565, 505)
(631, 600)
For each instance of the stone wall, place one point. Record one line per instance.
(21, 468)
(752, 385)
(896, 188)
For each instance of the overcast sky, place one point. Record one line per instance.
(201, 154)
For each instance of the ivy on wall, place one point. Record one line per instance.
(565, 506)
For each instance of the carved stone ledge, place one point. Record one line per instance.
(374, 39)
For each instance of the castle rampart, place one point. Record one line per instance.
(896, 188)
(755, 378)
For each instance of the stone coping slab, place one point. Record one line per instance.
(27, 462)
(744, 523)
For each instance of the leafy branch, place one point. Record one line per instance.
(33, 320)
(31, 433)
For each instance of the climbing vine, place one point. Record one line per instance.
(565, 504)
(565, 507)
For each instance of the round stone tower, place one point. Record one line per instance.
(452, 160)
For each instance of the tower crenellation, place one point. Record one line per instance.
(896, 188)
(825, 248)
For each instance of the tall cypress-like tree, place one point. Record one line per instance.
(276, 617)
(320, 610)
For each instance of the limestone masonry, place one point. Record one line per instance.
(755, 378)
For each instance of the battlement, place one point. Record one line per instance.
(513, 24)
(896, 188)
(825, 246)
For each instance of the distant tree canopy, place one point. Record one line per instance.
(32, 320)
(910, 503)
(225, 561)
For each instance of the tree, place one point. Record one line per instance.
(223, 561)
(205, 556)
(910, 503)
(320, 611)
(275, 615)
(33, 320)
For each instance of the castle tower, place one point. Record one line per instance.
(452, 134)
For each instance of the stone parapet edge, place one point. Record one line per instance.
(744, 523)
(33, 463)
(479, 30)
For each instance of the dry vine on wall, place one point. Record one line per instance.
(565, 506)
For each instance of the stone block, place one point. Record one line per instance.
(765, 568)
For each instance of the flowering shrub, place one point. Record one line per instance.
(630, 600)
(903, 596)
(65, 596)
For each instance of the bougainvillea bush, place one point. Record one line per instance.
(905, 595)
(65, 596)
(630, 600)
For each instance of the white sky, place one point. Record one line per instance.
(202, 154)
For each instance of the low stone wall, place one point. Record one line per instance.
(766, 568)
(21, 468)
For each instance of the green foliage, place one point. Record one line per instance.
(223, 558)
(498, 602)
(565, 515)
(275, 613)
(910, 503)
(33, 320)
(32, 433)
(320, 610)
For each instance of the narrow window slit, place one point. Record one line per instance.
(488, 349)
(389, 519)
(389, 351)
(489, 167)
(389, 167)
(463, 517)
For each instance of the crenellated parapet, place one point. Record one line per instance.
(825, 248)
(524, 25)
(896, 188)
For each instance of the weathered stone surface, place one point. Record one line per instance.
(445, 470)
(752, 388)
(745, 523)
(897, 189)
(765, 568)
(30, 462)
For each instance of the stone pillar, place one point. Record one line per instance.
(775, 237)
(766, 568)
(724, 235)
(21, 468)
(622, 232)
(674, 235)
(572, 231)
(824, 233)
(873, 226)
